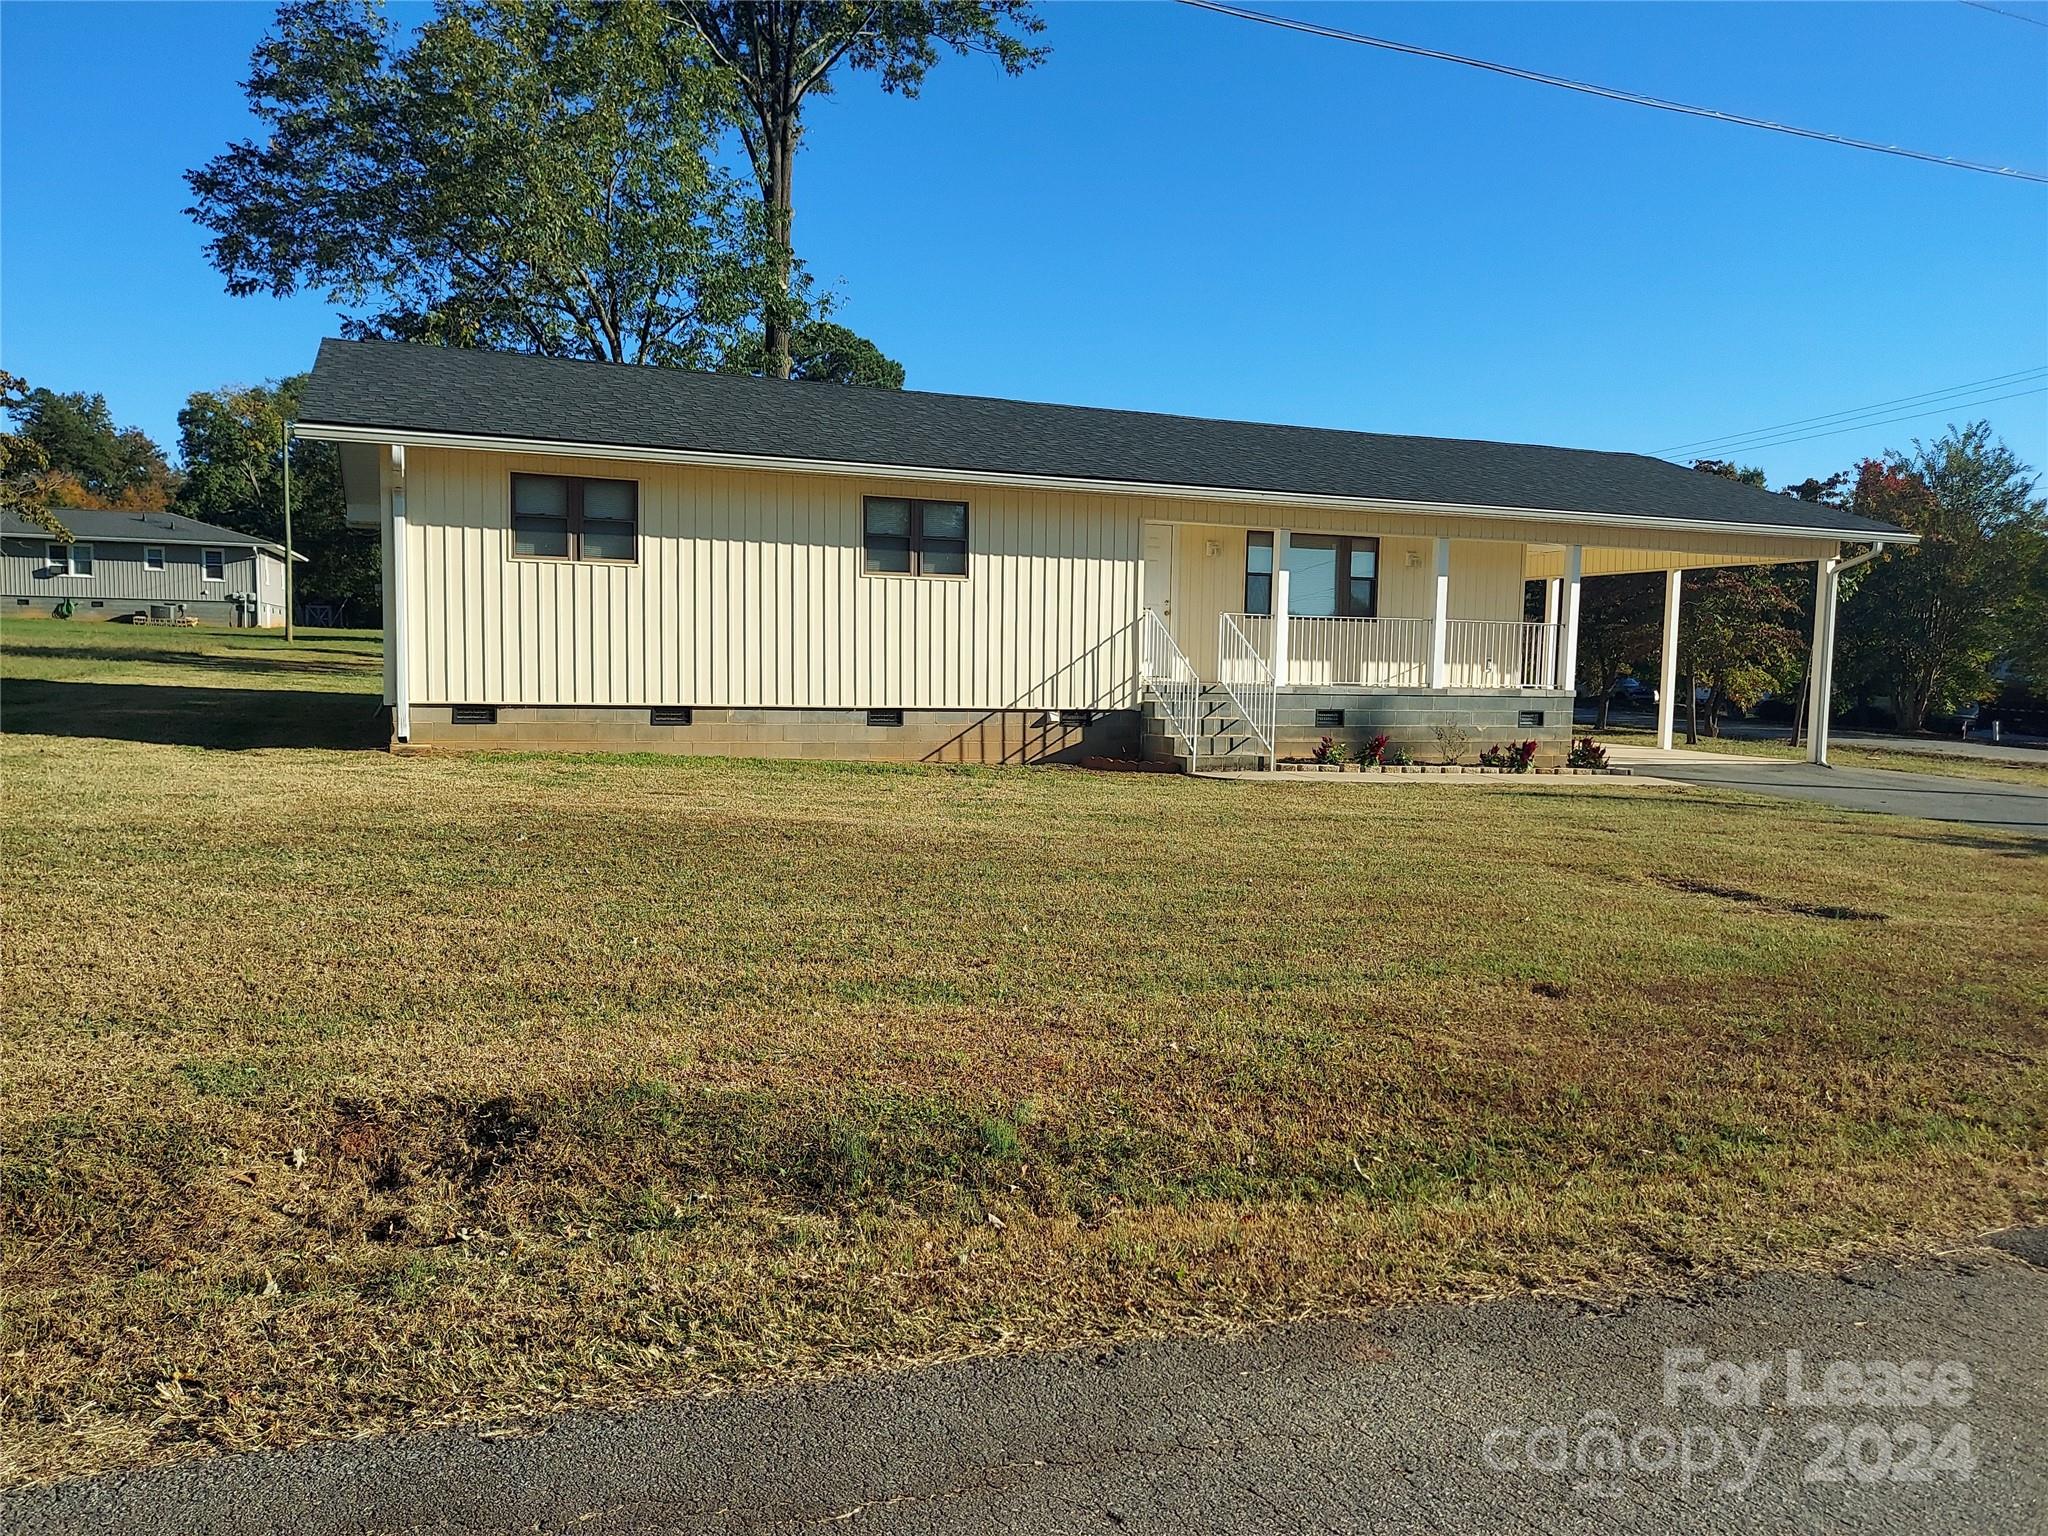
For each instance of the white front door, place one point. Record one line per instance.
(1157, 553)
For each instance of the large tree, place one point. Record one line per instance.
(1737, 627)
(779, 53)
(825, 352)
(522, 174)
(1738, 634)
(230, 440)
(90, 461)
(1930, 619)
(26, 479)
(1621, 619)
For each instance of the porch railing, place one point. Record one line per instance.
(1368, 653)
(1165, 673)
(1498, 653)
(1246, 674)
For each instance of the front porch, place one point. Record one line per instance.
(1257, 644)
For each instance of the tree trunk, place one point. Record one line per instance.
(1606, 698)
(777, 202)
(1692, 709)
(1799, 707)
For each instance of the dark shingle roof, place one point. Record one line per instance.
(110, 527)
(410, 388)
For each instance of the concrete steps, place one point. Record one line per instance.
(1225, 741)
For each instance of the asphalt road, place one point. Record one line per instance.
(1938, 797)
(1426, 1419)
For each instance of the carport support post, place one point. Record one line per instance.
(1820, 670)
(1667, 674)
(1440, 617)
(401, 635)
(1282, 595)
(1568, 661)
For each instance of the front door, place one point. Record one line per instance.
(1157, 553)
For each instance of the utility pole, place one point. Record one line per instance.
(285, 439)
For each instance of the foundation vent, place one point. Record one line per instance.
(1327, 719)
(473, 714)
(885, 717)
(1529, 720)
(669, 716)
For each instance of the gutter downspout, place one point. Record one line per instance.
(1827, 600)
(396, 599)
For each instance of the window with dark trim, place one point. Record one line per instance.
(1328, 576)
(573, 517)
(901, 537)
(1258, 573)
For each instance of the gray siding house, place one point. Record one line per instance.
(123, 563)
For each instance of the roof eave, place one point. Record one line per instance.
(346, 432)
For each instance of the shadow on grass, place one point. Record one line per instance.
(232, 718)
(354, 664)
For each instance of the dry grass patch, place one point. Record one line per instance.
(344, 1092)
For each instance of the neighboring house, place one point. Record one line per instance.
(593, 555)
(123, 563)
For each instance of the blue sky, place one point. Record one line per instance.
(1186, 212)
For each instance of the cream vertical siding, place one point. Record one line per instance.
(748, 590)
(1486, 582)
(749, 593)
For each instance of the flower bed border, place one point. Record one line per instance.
(1455, 770)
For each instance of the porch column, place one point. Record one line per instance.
(1568, 659)
(1667, 672)
(1820, 669)
(1281, 540)
(1440, 618)
(1552, 597)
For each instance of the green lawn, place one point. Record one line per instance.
(342, 1092)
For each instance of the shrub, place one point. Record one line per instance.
(1453, 741)
(1374, 751)
(1586, 753)
(1393, 757)
(1512, 757)
(1329, 752)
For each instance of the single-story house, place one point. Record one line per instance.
(123, 563)
(601, 556)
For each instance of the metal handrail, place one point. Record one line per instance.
(1247, 676)
(1165, 672)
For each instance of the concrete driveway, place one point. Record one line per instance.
(1938, 797)
(1488, 1418)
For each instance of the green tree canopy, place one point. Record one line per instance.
(778, 53)
(25, 477)
(521, 175)
(1621, 623)
(823, 351)
(91, 462)
(230, 440)
(1929, 620)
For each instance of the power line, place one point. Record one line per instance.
(1979, 5)
(1609, 94)
(1858, 426)
(1829, 416)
